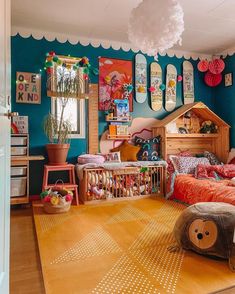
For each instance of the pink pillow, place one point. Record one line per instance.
(90, 158)
(171, 163)
(187, 165)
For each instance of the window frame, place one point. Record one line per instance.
(82, 134)
(81, 114)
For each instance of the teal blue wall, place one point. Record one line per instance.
(225, 98)
(28, 55)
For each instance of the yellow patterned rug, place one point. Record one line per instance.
(121, 247)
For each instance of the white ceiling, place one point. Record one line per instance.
(209, 24)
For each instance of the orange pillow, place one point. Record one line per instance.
(127, 151)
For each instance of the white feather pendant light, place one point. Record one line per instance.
(156, 25)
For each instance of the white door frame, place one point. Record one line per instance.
(5, 92)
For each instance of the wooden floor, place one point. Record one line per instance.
(25, 271)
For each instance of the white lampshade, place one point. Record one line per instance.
(156, 25)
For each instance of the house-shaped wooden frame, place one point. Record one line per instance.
(197, 143)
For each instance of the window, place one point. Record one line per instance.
(74, 112)
(75, 108)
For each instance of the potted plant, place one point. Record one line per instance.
(57, 131)
(65, 83)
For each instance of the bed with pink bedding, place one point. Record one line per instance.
(210, 183)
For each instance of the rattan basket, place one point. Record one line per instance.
(62, 206)
(49, 208)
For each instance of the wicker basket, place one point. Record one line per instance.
(49, 208)
(62, 206)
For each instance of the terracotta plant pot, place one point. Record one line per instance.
(57, 153)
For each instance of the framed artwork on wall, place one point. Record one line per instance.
(28, 88)
(115, 81)
(228, 79)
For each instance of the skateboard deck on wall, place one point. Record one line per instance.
(171, 81)
(188, 82)
(140, 78)
(156, 81)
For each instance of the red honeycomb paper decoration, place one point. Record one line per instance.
(216, 66)
(203, 65)
(212, 80)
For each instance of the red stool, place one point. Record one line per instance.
(72, 183)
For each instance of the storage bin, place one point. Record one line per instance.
(18, 151)
(18, 141)
(18, 171)
(18, 186)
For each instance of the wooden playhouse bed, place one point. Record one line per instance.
(194, 141)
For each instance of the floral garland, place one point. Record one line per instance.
(83, 62)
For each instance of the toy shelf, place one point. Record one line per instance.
(118, 137)
(119, 119)
(192, 135)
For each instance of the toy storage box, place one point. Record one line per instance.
(101, 183)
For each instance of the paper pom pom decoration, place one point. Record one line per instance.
(203, 65)
(129, 88)
(152, 89)
(156, 26)
(216, 66)
(212, 80)
(179, 78)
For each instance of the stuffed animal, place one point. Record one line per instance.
(208, 228)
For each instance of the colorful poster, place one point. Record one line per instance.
(28, 88)
(115, 81)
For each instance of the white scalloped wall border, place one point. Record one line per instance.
(72, 39)
(228, 52)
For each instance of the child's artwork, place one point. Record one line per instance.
(122, 108)
(188, 82)
(155, 82)
(228, 79)
(115, 81)
(140, 78)
(171, 77)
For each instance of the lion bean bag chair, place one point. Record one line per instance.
(208, 228)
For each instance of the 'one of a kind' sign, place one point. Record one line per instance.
(28, 87)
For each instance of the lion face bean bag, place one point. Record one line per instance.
(208, 228)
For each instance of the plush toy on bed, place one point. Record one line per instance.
(208, 228)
